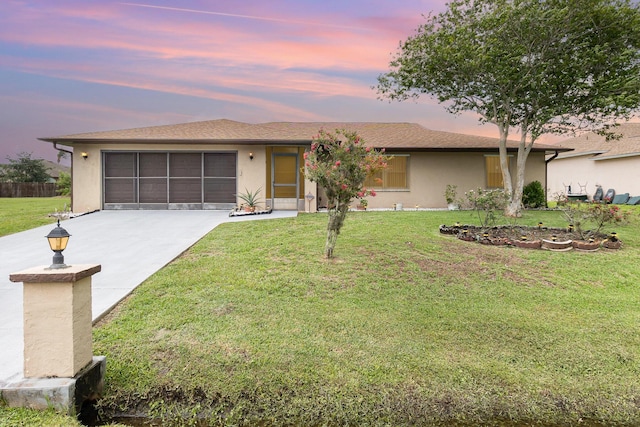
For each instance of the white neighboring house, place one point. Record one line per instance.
(595, 161)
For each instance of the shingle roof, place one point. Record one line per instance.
(399, 136)
(597, 147)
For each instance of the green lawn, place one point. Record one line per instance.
(23, 213)
(405, 326)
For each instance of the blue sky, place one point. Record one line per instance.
(71, 66)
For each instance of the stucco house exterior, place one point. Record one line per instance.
(595, 161)
(204, 165)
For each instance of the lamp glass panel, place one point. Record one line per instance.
(58, 243)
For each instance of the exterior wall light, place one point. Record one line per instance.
(58, 239)
(85, 155)
(251, 156)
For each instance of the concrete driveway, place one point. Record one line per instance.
(130, 246)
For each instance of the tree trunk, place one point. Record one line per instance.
(336, 219)
(514, 208)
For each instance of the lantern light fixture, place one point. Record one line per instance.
(58, 239)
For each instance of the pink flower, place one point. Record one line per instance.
(306, 154)
(373, 193)
(368, 149)
(344, 186)
(338, 163)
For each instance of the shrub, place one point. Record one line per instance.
(533, 195)
(486, 203)
(450, 193)
(63, 186)
(595, 215)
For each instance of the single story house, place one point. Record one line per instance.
(204, 165)
(595, 161)
(55, 169)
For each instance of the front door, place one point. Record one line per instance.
(285, 183)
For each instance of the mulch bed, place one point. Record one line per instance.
(532, 237)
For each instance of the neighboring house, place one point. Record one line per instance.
(54, 169)
(204, 165)
(595, 161)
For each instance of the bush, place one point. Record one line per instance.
(63, 186)
(596, 215)
(486, 203)
(533, 195)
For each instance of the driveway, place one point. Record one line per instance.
(130, 246)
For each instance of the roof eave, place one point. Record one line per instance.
(615, 156)
(72, 141)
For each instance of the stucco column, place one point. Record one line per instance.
(57, 320)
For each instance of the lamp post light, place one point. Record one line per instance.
(58, 239)
(309, 198)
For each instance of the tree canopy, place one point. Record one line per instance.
(533, 66)
(24, 169)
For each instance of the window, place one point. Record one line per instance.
(494, 172)
(394, 177)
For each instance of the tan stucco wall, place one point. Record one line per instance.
(57, 328)
(87, 173)
(429, 174)
(623, 175)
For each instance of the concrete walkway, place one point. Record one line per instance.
(130, 246)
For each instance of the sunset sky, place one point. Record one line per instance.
(71, 66)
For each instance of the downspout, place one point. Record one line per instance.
(546, 163)
(55, 146)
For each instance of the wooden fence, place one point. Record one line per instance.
(27, 189)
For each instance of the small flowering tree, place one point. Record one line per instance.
(340, 163)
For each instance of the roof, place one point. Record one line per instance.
(598, 148)
(54, 169)
(393, 136)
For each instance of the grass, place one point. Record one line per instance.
(24, 213)
(13, 417)
(405, 326)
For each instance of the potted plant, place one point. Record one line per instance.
(362, 206)
(250, 199)
(450, 194)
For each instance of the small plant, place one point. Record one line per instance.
(364, 203)
(250, 198)
(533, 195)
(596, 215)
(450, 193)
(560, 198)
(486, 203)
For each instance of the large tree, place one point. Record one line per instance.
(25, 169)
(531, 66)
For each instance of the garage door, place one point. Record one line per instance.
(169, 180)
